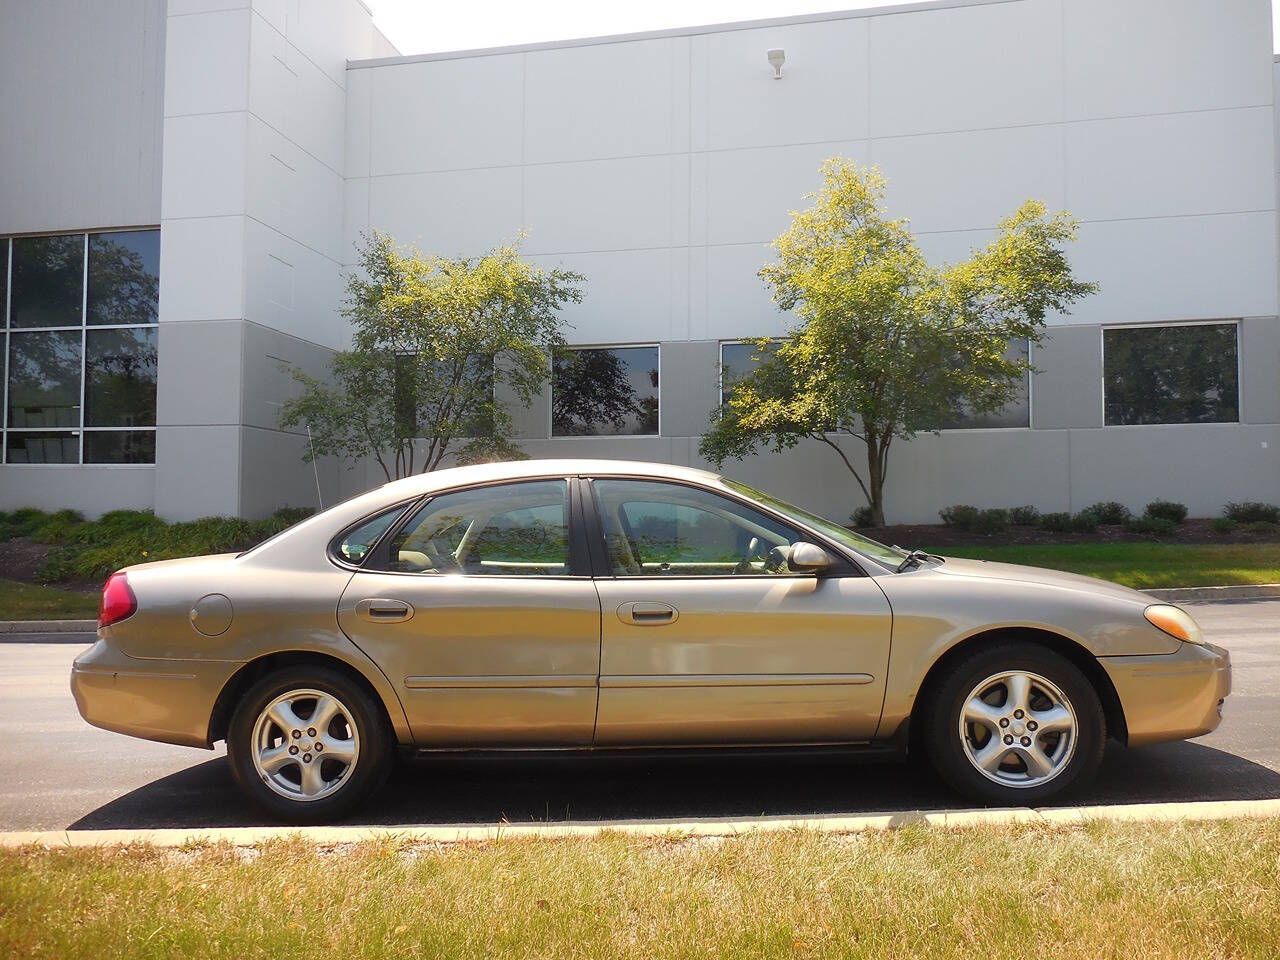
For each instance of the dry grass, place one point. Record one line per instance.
(1177, 891)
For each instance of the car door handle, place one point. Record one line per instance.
(382, 610)
(647, 613)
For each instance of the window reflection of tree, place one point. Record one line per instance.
(593, 392)
(120, 378)
(47, 276)
(1175, 374)
(44, 379)
(124, 288)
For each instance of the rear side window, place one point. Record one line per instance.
(511, 529)
(355, 546)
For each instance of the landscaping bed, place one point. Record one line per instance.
(1162, 891)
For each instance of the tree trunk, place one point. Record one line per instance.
(875, 478)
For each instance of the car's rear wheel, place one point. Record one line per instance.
(1014, 723)
(308, 744)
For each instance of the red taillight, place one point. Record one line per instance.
(118, 601)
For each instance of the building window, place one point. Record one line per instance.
(737, 360)
(1187, 373)
(1016, 413)
(80, 347)
(604, 392)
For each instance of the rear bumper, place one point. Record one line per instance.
(1172, 696)
(166, 700)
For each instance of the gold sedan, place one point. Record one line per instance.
(597, 604)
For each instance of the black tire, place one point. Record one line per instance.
(373, 762)
(946, 750)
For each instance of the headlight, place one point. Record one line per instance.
(1174, 621)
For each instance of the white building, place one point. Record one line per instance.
(259, 139)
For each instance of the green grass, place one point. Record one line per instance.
(27, 601)
(1156, 891)
(1144, 565)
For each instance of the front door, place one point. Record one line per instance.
(484, 618)
(708, 638)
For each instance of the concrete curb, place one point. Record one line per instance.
(1244, 591)
(328, 836)
(48, 626)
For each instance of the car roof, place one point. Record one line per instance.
(533, 469)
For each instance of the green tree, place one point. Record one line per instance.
(433, 338)
(886, 345)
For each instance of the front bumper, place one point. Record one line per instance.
(1172, 696)
(166, 700)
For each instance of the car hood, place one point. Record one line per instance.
(987, 570)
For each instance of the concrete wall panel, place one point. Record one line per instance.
(454, 213)
(81, 114)
(968, 68)
(1165, 56)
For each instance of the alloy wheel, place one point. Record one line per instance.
(1018, 729)
(305, 744)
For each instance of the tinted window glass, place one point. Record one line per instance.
(44, 379)
(48, 280)
(604, 392)
(120, 446)
(355, 546)
(42, 447)
(1017, 413)
(1178, 374)
(124, 277)
(737, 360)
(120, 377)
(664, 529)
(512, 529)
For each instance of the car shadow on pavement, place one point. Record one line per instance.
(527, 788)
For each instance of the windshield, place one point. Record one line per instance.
(889, 556)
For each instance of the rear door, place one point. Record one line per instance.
(707, 638)
(480, 609)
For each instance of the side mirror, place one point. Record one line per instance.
(808, 558)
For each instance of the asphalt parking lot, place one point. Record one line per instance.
(58, 772)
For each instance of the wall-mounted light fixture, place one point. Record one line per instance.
(777, 57)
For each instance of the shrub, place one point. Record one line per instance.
(960, 515)
(1057, 522)
(1110, 513)
(1166, 510)
(1027, 516)
(1262, 526)
(972, 520)
(1084, 522)
(123, 537)
(21, 522)
(1224, 524)
(1252, 511)
(860, 517)
(57, 527)
(993, 521)
(1152, 524)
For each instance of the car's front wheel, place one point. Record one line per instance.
(308, 744)
(1014, 724)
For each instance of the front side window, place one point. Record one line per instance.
(81, 359)
(656, 529)
(511, 529)
(1177, 374)
(604, 392)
